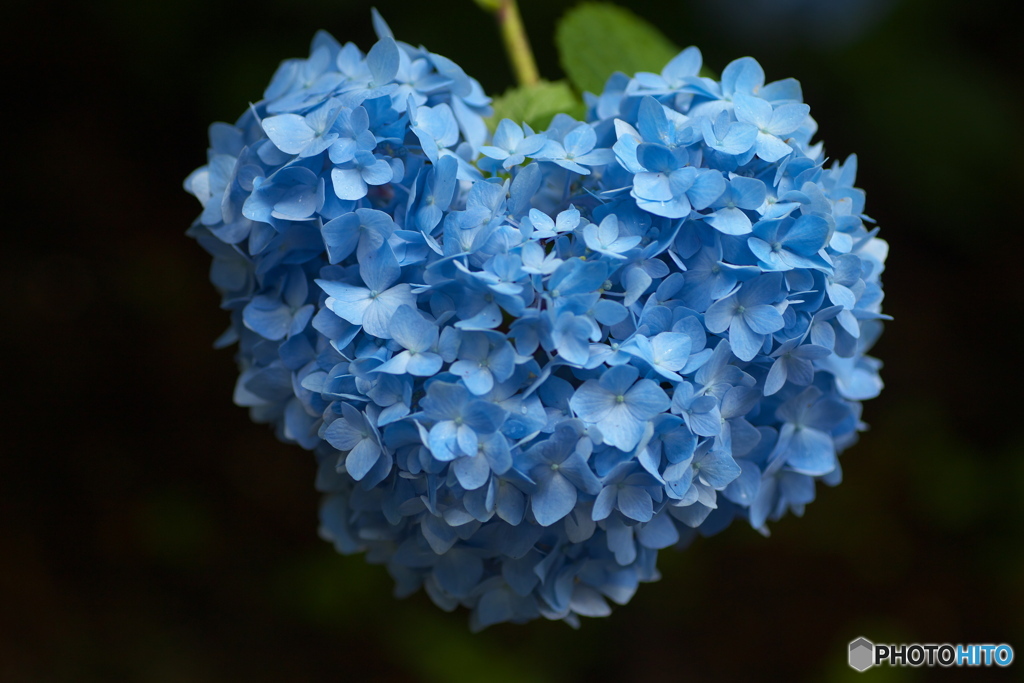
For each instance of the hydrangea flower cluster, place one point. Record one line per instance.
(528, 361)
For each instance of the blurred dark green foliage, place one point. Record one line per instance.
(150, 532)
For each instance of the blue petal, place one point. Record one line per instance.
(620, 541)
(288, 132)
(646, 399)
(553, 500)
(636, 503)
(776, 377)
(510, 503)
(807, 235)
(379, 268)
(341, 236)
(268, 317)
(807, 451)
(720, 315)
(471, 471)
(620, 428)
(658, 533)
(362, 458)
(377, 173)
(484, 417)
(787, 118)
(383, 61)
(604, 503)
(424, 364)
(730, 221)
(745, 343)
(619, 379)
(763, 319)
(753, 110)
(707, 187)
(412, 330)
(348, 183)
(443, 440)
(771, 148)
(378, 313)
(592, 402)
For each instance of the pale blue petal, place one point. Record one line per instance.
(658, 533)
(478, 380)
(598, 157)
(578, 472)
(343, 435)
(442, 440)
(745, 343)
(692, 515)
(472, 471)
(268, 317)
(807, 235)
(729, 221)
(753, 110)
(619, 379)
(705, 422)
(377, 173)
(771, 148)
(579, 140)
(554, 499)
(707, 187)
(379, 268)
(592, 402)
(288, 132)
(604, 503)
(424, 364)
(397, 365)
(588, 602)
(466, 439)
(787, 118)
(720, 315)
(348, 183)
(383, 61)
(341, 236)
(412, 330)
(654, 187)
(635, 503)
(483, 416)
(620, 541)
(717, 469)
(807, 451)
(345, 300)
(362, 458)
(378, 313)
(776, 377)
(763, 319)
(646, 399)
(510, 503)
(750, 193)
(620, 428)
(439, 535)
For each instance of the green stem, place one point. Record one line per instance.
(516, 44)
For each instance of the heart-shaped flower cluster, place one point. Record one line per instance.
(528, 361)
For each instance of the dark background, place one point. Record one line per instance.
(150, 532)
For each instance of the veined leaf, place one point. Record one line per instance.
(595, 40)
(536, 104)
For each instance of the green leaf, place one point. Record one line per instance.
(595, 40)
(536, 104)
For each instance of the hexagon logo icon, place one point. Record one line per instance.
(862, 654)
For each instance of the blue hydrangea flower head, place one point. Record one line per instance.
(526, 361)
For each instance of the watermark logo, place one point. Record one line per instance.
(864, 654)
